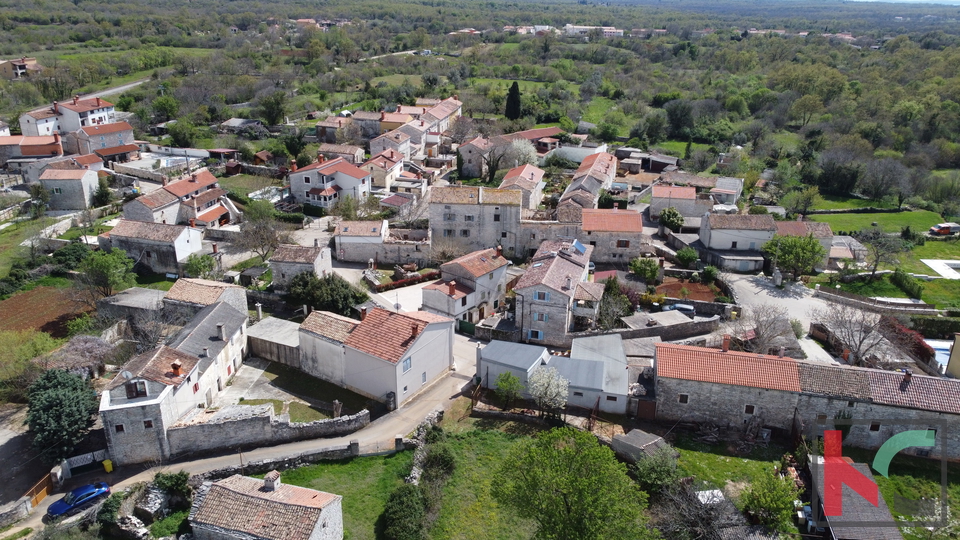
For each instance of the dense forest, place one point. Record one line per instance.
(875, 112)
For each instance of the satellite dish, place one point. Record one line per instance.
(396, 307)
(126, 375)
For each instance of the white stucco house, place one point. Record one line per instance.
(733, 241)
(470, 287)
(500, 357)
(597, 373)
(325, 182)
(67, 117)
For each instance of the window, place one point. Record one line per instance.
(423, 378)
(684, 398)
(851, 404)
(468, 218)
(196, 387)
(542, 317)
(465, 233)
(307, 195)
(136, 389)
(821, 418)
(749, 409)
(463, 301)
(404, 389)
(623, 243)
(496, 217)
(533, 236)
(306, 179)
(148, 254)
(148, 424)
(503, 235)
(611, 398)
(490, 275)
(118, 428)
(448, 232)
(875, 426)
(733, 245)
(407, 364)
(499, 288)
(578, 394)
(449, 217)
(534, 334)
(541, 295)
(922, 453)
(496, 304)
(56, 191)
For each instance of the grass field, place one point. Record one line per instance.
(155, 281)
(942, 293)
(525, 86)
(919, 220)
(679, 147)
(297, 383)
(715, 465)
(397, 80)
(599, 107)
(789, 141)
(831, 202)
(11, 238)
(299, 412)
(911, 261)
(246, 183)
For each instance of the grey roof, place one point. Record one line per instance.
(728, 182)
(607, 349)
(276, 330)
(515, 355)
(857, 509)
(586, 374)
(137, 297)
(202, 330)
(648, 443)
(640, 346)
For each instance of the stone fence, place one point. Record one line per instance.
(262, 428)
(667, 333)
(873, 304)
(15, 511)
(864, 210)
(153, 176)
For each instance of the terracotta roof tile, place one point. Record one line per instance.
(506, 197)
(460, 290)
(63, 174)
(329, 325)
(360, 228)
(327, 148)
(478, 263)
(114, 150)
(731, 367)
(612, 221)
(198, 291)
(338, 165)
(742, 222)
(106, 129)
(366, 115)
(804, 228)
(589, 291)
(398, 118)
(155, 365)
(296, 254)
(837, 381)
(146, 230)
(85, 105)
(525, 177)
(87, 159)
(386, 335)
(387, 159)
(396, 201)
(158, 198)
(455, 195)
(428, 317)
(920, 392)
(674, 192)
(552, 264)
(186, 186)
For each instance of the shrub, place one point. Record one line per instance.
(107, 515)
(907, 283)
(758, 210)
(686, 256)
(934, 327)
(439, 463)
(173, 483)
(695, 277)
(291, 217)
(770, 499)
(405, 513)
(646, 269)
(723, 300)
(656, 472)
(797, 328)
(710, 274)
(409, 281)
(314, 211)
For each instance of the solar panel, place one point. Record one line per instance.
(579, 247)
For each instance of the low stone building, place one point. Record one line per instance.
(616, 235)
(289, 260)
(244, 508)
(595, 173)
(820, 231)
(190, 295)
(395, 140)
(89, 139)
(70, 189)
(156, 247)
(733, 242)
(476, 217)
(529, 180)
(385, 168)
(685, 199)
(196, 198)
(351, 154)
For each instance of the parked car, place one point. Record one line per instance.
(945, 228)
(78, 499)
(591, 268)
(686, 309)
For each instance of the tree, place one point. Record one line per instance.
(769, 324)
(574, 488)
(770, 499)
(881, 177)
(404, 515)
(507, 155)
(646, 268)
(548, 388)
(679, 513)
(509, 388)
(328, 293)
(513, 106)
(182, 133)
(70, 256)
(461, 129)
(350, 134)
(800, 201)
(273, 107)
(347, 208)
(804, 108)
(260, 231)
(857, 329)
(657, 472)
(61, 412)
(166, 107)
(104, 273)
(102, 196)
(40, 199)
(671, 219)
(613, 305)
(881, 248)
(686, 256)
(200, 266)
(798, 254)
(294, 141)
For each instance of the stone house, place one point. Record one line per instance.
(401, 203)
(471, 287)
(597, 373)
(324, 183)
(796, 397)
(476, 217)
(19, 68)
(67, 117)
(733, 241)
(553, 295)
(244, 508)
(820, 231)
(160, 386)
(385, 168)
(387, 356)
(615, 235)
(596, 172)
(327, 129)
(473, 153)
(359, 232)
(88, 139)
(190, 295)
(369, 124)
(17, 151)
(156, 247)
(289, 260)
(685, 199)
(197, 199)
(396, 140)
(529, 180)
(70, 189)
(351, 154)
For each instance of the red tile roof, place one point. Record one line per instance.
(428, 317)
(326, 192)
(156, 199)
(459, 289)
(186, 186)
(386, 335)
(552, 264)
(338, 165)
(329, 325)
(674, 192)
(106, 129)
(804, 228)
(731, 367)
(398, 118)
(920, 392)
(360, 228)
(387, 159)
(212, 215)
(611, 220)
(156, 365)
(85, 105)
(526, 177)
(742, 222)
(87, 159)
(63, 174)
(478, 263)
(147, 230)
(296, 254)
(114, 150)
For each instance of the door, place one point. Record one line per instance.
(209, 396)
(219, 385)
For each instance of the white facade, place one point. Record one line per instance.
(324, 184)
(733, 239)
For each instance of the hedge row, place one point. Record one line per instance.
(409, 281)
(907, 283)
(933, 327)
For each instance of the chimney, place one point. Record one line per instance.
(452, 288)
(175, 366)
(216, 249)
(221, 333)
(363, 313)
(193, 177)
(413, 329)
(98, 102)
(456, 97)
(321, 158)
(907, 375)
(783, 351)
(206, 352)
(293, 168)
(383, 116)
(499, 251)
(193, 222)
(339, 123)
(56, 138)
(271, 481)
(421, 123)
(76, 99)
(163, 179)
(569, 282)
(56, 107)
(726, 343)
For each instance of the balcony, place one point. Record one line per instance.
(585, 308)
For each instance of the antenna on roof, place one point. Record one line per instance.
(397, 306)
(126, 375)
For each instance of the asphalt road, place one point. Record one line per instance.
(115, 90)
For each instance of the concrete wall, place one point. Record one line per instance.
(725, 238)
(275, 352)
(686, 207)
(666, 333)
(15, 511)
(257, 431)
(322, 358)
(385, 253)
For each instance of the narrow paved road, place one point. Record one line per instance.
(115, 89)
(377, 436)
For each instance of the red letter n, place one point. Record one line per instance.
(837, 472)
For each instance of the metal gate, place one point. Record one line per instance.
(467, 327)
(646, 409)
(40, 491)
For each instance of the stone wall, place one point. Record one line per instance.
(343, 451)
(256, 431)
(15, 511)
(385, 253)
(221, 233)
(875, 305)
(666, 333)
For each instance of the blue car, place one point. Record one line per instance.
(78, 499)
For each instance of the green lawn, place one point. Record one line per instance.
(832, 202)
(365, 483)
(715, 466)
(911, 261)
(246, 183)
(788, 140)
(175, 524)
(509, 46)
(599, 107)
(942, 293)
(397, 80)
(300, 384)
(679, 147)
(249, 263)
(302, 413)
(12, 236)
(919, 220)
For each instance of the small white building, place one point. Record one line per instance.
(288, 260)
(733, 241)
(67, 117)
(597, 373)
(157, 247)
(500, 357)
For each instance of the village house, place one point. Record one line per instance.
(327, 129)
(289, 260)
(529, 180)
(387, 356)
(846, 248)
(473, 154)
(17, 151)
(392, 121)
(385, 168)
(190, 295)
(728, 190)
(156, 247)
(396, 141)
(67, 117)
(119, 154)
(553, 295)
(197, 199)
(403, 204)
(518, 359)
(685, 199)
(733, 242)
(244, 508)
(470, 288)
(238, 125)
(476, 217)
(596, 172)
(369, 124)
(324, 183)
(820, 231)
(597, 374)
(351, 154)
(70, 189)
(19, 68)
(615, 235)
(88, 139)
